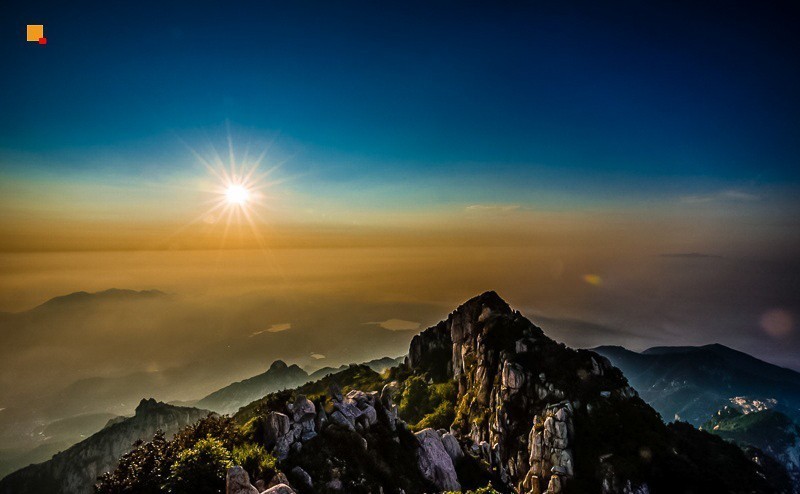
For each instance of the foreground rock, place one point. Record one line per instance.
(435, 463)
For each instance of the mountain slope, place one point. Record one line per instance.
(692, 383)
(75, 470)
(231, 398)
(279, 376)
(768, 430)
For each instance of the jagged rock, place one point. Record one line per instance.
(279, 489)
(303, 409)
(349, 410)
(452, 447)
(335, 391)
(435, 463)
(277, 479)
(513, 375)
(370, 415)
(321, 419)
(337, 417)
(237, 481)
(279, 434)
(302, 477)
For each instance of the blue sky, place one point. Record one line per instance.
(629, 94)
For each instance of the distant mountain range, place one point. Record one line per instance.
(692, 383)
(82, 358)
(76, 469)
(279, 376)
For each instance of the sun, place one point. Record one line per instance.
(237, 194)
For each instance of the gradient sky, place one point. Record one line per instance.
(516, 146)
(398, 90)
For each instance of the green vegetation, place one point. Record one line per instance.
(148, 468)
(258, 463)
(200, 469)
(426, 405)
(483, 490)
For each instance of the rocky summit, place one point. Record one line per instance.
(484, 401)
(547, 418)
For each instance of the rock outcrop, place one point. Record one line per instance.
(435, 462)
(543, 416)
(75, 470)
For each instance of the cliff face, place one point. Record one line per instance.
(75, 470)
(548, 418)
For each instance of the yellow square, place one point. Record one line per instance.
(35, 31)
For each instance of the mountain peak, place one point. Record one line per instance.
(278, 365)
(112, 294)
(486, 300)
(147, 404)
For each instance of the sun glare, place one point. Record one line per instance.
(237, 194)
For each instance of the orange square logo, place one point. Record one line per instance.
(35, 32)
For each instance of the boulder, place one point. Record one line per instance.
(513, 376)
(303, 409)
(279, 489)
(370, 415)
(279, 434)
(452, 447)
(434, 461)
(337, 417)
(277, 479)
(238, 482)
(302, 478)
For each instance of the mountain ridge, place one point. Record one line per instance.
(75, 469)
(692, 383)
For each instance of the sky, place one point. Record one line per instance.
(622, 172)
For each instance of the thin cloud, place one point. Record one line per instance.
(493, 207)
(396, 324)
(275, 328)
(730, 195)
(691, 255)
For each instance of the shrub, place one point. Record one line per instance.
(441, 417)
(483, 490)
(143, 470)
(255, 459)
(415, 401)
(201, 469)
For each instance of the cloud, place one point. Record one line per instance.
(731, 195)
(396, 324)
(275, 328)
(317, 356)
(493, 207)
(691, 255)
